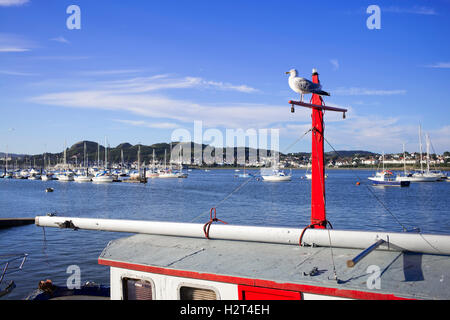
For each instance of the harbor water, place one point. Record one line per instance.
(52, 252)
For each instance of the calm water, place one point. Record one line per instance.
(51, 251)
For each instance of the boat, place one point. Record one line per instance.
(104, 176)
(81, 176)
(206, 261)
(422, 175)
(276, 175)
(387, 178)
(7, 174)
(34, 175)
(308, 175)
(168, 172)
(153, 172)
(65, 176)
(47, 176)
(244, 174)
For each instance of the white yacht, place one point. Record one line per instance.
(103, 178)
(422, 175)
(82, 178)
(276, 176)
(65, 176)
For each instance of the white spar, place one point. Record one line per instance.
(395, 241)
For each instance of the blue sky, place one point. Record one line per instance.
(137, 70)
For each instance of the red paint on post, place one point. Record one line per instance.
(318, 214)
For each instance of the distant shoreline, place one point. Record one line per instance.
(304, 169)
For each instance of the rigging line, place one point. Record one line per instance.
(248, 180)
(292, 144)
(224, 199)
(44, 247)
(322, 183)
(371, 191)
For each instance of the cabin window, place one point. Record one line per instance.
(135, 289)
(191, 293)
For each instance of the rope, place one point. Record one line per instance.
(312, 225)
(207, 225)
(44, 246)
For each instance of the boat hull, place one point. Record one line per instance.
(103, 179)
(395, 183)
(82, 179)
(276, 178)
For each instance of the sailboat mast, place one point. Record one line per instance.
(153, 162)
(404, 159)
(6, 158)
(106, 156)
(428, 151)
(420, 147)
(98, 154)
(139, 160)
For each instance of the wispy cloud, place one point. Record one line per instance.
(147, 124)
(16, 73)
(440, 65)
(166, 81)
(12, 49)
(61, 58)
(335, 64)
(366, 92)
(9, 3)
(60, 39)
(421, 10)
(109, 72)
(14, 43)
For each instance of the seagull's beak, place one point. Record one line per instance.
(287, 72)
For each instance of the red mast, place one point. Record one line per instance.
(318, 213)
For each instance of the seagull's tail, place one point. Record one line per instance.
(321, 92)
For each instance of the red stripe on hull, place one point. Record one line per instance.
(342, 293)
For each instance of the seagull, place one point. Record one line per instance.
(304, 86)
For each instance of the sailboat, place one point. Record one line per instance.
(167, 173)
(308, 175)
(422, 175)
(84, 177)
(244, 174)
(66, 175)
(274, 174)
(104, 176)
(152, 173)
(7, 175)
(387, 178)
